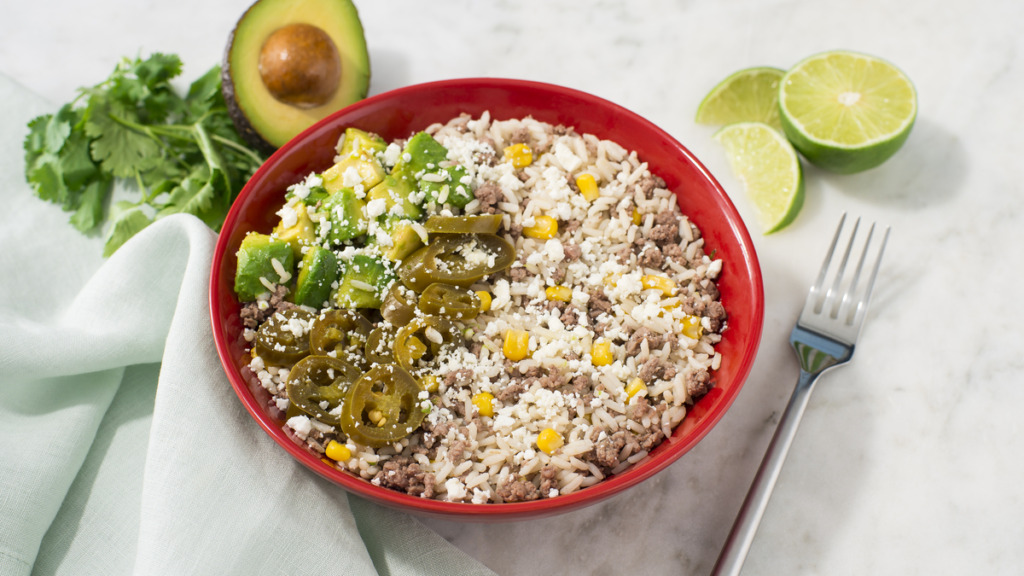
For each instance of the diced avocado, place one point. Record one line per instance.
(404, 241)
(347, 214)
(367, 167)
(315, 195)
(421, 159)
(364, 283)
(397, 189)
(319, 270)
(289, 64)
(356, 142)
(256, 258)
(301, 233)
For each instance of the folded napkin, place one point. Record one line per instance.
(123, 449)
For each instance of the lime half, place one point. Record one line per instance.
(769, 168)
(750, 95)
(847, 112)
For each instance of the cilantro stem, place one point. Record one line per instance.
(256, 159)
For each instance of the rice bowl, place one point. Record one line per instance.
(479, 458)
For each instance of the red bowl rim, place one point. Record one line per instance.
(670, 450)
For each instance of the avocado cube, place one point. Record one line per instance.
(317, 273)
(256, 257)
(300, 233)
(360, 142)
(364, 283)
(421, 159)
(347, 214)
(397, 190)
(404, 241)
(352, 171)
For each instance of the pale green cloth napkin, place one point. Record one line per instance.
(124, 448)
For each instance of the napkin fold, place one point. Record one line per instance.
(123, 449)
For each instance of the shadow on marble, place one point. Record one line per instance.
(927, 172)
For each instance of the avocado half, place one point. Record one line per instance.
(290, 63)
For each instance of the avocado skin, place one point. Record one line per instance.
(245, 127)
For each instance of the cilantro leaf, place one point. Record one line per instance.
(177, 154)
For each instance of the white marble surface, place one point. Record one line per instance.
(909, 460)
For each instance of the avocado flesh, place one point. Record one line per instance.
(347, 215)
(302, 233)
(423, 155)
(318, 272)
(255, 261)
(265, 122)
(363, 270)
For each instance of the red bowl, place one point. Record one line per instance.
(397, 114)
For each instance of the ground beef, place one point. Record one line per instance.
(570, 317)
(558, 274)
(554, 380)
(518, 273)
(666, 218)
(652, 258)
(598, 304)
(571, 226)
(664, 234)
(520, 135)
(648, 183)
(434, 432)
(656, 368)
(457, 451)
(581, 384)
(460, 377)
(510, 393)
(518, 491)
(515, 232)
(698, 383)
(252, 315)
(547, 479)
(717, 316)
(607, 450)
(402, 473)
(709, 289)
(693, 306)
(572, 251)
(654, 341)
(489, 194)
(653, 434)
(674, 252)
(623, 254)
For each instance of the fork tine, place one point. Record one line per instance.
(865, 299)
(814, 298)
(832, 300)
(844, 306)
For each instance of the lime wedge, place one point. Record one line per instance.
(847, 112)
(750, 95)
(769, 169)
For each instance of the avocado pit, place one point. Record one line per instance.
(300, 65)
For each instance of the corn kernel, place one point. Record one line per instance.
(544, 228)
(377, 417)
(517, 345)
(637, 217)
(560, 293)
(337, 451)
(666, 285)
(635, 386)
(430, 382)
(692, 327)
(484, 402)
(485, 300)
(549, 440)
(588, 187)
(520, 155)
(601, 353)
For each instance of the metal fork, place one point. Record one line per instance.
(823, 338)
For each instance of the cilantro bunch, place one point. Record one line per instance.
(172, 154)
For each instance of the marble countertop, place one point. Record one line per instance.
(908, 461)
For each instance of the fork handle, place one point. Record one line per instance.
(730, 561)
